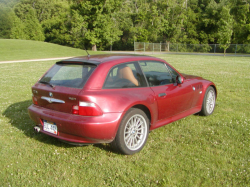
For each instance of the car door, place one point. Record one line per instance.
(172, 98)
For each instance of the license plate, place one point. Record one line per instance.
(49, 127)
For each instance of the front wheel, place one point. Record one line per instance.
(132, 133)
(208, 102)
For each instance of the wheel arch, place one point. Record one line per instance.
(144, 109)
(120, 143)
(204, 110)
(206, 85)
(214, 87)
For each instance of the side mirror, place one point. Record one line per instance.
(179, 79)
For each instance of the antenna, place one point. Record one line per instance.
(86, 51)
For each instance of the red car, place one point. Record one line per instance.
(115, 99)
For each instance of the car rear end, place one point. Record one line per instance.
(62, 109)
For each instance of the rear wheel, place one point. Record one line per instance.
(132, 133)
(208, 102)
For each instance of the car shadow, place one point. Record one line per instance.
(18, 116)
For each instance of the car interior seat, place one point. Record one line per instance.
(127, 73)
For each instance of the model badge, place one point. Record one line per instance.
(50, 94)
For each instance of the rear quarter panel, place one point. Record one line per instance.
(121, 100)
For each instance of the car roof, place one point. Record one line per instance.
(104, 58)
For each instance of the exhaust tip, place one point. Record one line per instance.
(37, 129)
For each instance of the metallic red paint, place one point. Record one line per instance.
(165, 103)
(77, 128)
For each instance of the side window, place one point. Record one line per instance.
(126, 75)
(156, 73)
(173, 73)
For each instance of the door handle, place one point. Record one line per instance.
(162, 94)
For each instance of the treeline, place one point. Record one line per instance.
(102, 23)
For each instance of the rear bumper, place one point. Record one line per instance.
(76, 128)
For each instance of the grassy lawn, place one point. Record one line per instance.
(195, 151)
(27, 49)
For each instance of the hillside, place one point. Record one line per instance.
(11, 49)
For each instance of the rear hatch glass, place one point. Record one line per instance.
(58, 89)
(68, 75)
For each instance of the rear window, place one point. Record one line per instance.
(68, 75)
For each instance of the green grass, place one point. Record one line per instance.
(11, 49)
(195, 151)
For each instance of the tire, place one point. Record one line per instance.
(208, 104)
(132, 133)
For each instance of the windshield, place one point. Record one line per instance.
(68, 75)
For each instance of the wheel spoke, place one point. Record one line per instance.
(139, 133)
(134, 121)
(138, 137)
(134, 141)
(127, 136)
(139, 125)
(137, 121)
(130, 124)
(128, 140)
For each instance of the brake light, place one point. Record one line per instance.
(34, 99)
(75, 109)
(87, 109)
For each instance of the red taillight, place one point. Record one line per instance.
(87, 109)
(75, 109)
(34, 99)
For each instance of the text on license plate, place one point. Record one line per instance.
(49, 127)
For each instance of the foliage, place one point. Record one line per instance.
(100, 23)
(8, 3)
(225, 29)
(241, 22)
(97, 21)
(27, 27)
(6, 21)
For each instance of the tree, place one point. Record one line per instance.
(6, 21)
(28, 27)
(44, 9)
(173, 14)
(57, 30)
(225, 29)
(241, 21)
(18, 31)
(102, 25)
(43, 18)
(58, 25)
(8, 3)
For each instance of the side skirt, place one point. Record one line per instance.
(175, 118)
